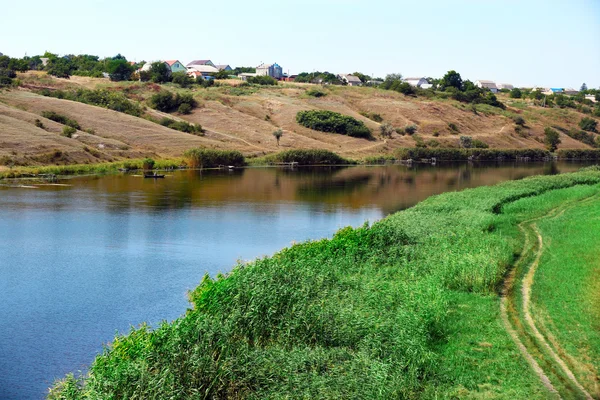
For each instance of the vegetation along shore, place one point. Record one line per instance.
(460, 296)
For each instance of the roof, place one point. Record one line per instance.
(198, 62)
(171, 62)
(221, 67)
(203, 68)
(414, 79)
(487, 84)
(352, 78)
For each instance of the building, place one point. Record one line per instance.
(44, 60)
(426, 86)
(350, 80)
(290, 78)
(507, 86)
(204, 70)
(176, 66)
(272, 70)
(570, 91)
(199, 62)
(223, 67)
(487, 85)
(550, 91)
(417, 82)
(245, 75)
(148, 65)
(590, 97)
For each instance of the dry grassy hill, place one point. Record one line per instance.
(243, 118)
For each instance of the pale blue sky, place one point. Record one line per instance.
(529, 42)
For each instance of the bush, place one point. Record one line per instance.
(148, 164)
(182, 126)
(466, 142)
(386, 130)
(205, 158)
(372, 116)
(519, 120)
(68, 131)
(316, 93)
(453, 128)
(446, 154)
(166, 101)
(588, 124)
(182, 79)
(307, 157)
(101, 98)
(410, 129)
(516, 93)
(262, 80)
(185, 108)
(579, 154)
(329, 121)
(39, 124)
(478, 144)
(61, 119)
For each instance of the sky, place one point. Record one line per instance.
(546, 43)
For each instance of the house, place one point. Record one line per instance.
(507, 86)
(290, 78)
(204, 70)
(570, 91)
(553, 91)
(199, 62)
(350, 80)
(487, 85)
(44, 60)
(176, 66)
(426, 86)
(224, 67)
(417, 82)
(272, 70)
(374, 82)
(590, 97)
(245, 75)
(148, 65)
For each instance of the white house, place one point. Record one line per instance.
(148, 65)
(245, 75)
(272, 70)
(350, 80)
(417, 82)
(487, 85)
(204, 70)
(199, 62)
(590, 97)
(505, 86)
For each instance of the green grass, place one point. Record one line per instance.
(406, 308)
(303, 157)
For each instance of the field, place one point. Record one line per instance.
(243, 118)
(426, 303)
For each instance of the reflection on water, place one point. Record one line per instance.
(79, 262)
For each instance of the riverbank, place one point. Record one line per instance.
(406, 308)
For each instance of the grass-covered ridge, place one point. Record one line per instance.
(405, 308)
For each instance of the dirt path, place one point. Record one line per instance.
(536, 342)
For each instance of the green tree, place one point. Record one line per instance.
(583, 87)
(451, 79)
(119, 70)
(182, 79)
(588, 124)
(363, 78)
(551, 139)
(59, 67)
(516, 93)
(278, 134)
(160, 72)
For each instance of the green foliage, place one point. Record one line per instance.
(166, 101)
(394, 82)
(61, 119)
(551, 139)
(369, 314)
(579, 154)
(588, 124)
(466, 142)
(453, 127)
(101, 97)
(519, 120)
(182, 126)
(307, 157)
(314, 92)
(372, 116)
(516, 93)
(182, 79)
(68, 131)
(262, 80)
(119, 70)
(451, 79)
(59, 67)
(184, 108)
(148, 164)
(159, 72)
(410, 129)
(386, 130)
(205, 158)
(317, 77)
(447, 154)
(478, 144)
(329, 121)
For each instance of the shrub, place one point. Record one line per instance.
(185, 108)
(433, 143)
(466, 142)
(410, 129)
(446, 154)
(68, 131)
(386, 130)
(372, 116)
(436, 132)
(519, 120)
(588, 124)
(39, 124)
(278, 134)
(453, 128)
(515, 93)
(166, 101)
(61, 119)
(182, 126)
(182, 79)
(103, 98)
(307, 157)
(478, 144)
(316, 93)
(205, 158)
(551, 139)
(262, 80)
(329, 121)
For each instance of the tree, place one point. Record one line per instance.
(222, 74)
(516, 93)
(182, 79)
(119, 70)
(466, 142)
(160, 72)
(363, 78)
(583, 87)
(451, 79)
(278, 134)
(552, 139)
(386, 130)
(59, 67)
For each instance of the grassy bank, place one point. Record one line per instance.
(86, 169)
(405, 308)
(302, 157)
(445, 154)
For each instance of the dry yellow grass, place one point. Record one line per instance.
(243, 118)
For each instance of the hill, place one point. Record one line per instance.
(244, 117)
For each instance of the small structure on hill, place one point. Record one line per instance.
(350, 80)
(507, 86)
(223, 67)
(199, 62)
(487, 85)
(176, 66)
(416, 82)
(272, 70)
(206, 71)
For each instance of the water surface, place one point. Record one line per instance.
(79, 263)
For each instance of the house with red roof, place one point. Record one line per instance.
(176, 66)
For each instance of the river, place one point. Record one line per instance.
(94, 256)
